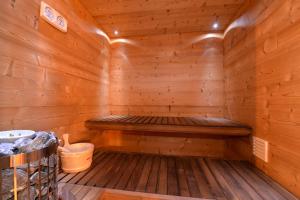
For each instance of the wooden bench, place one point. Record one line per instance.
(172, 126)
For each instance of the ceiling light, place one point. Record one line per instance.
(116, 32)
(215, 25)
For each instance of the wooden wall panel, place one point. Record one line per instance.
(51, 80)
(175, 74)
(155, 17)
(142, 142)
(262, 83)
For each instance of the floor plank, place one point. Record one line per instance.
(222, 182)
(234, 186)
(101, 173)
(202, 183)
(241, 184)
(104, 179)
(98, 158)
(119, 171)
(141, 187)
(265, 190)
(172, 177)
(213, 184)
(68, 177)
(191, 179)
(163, 176)
(95, 170)
(179, 176)
(61, 175)
(153, 176)
(137, 173)
(182, 180)
(283, 192)
(129, 170)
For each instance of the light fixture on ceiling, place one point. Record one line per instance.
(116, 32)
(215, 25)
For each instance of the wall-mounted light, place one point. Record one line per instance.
(116, 32)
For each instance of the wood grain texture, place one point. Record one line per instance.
(189, 126)
(168, 75)
(135, 17)
(211, 142)
(69, 191)
(166, 144)
(51, 80)
(238, 180)
(261, 64)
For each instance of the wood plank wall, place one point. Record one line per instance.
(167, 75)
(51, 80)
(157, 17)
(262, 83)
(170, 74)
(143, 143)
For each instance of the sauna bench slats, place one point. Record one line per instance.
(174, 126)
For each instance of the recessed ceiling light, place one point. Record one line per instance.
(116, 32)
(215, 25)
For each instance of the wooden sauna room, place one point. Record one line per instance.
(150, 99)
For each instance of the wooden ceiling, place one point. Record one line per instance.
(149, 17)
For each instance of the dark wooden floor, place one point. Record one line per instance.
(180, 176)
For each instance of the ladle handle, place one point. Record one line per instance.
(66, 140)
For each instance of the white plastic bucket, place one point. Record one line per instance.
(76, 157)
